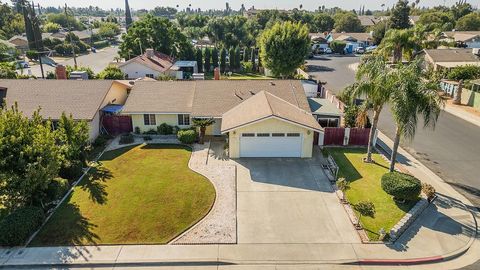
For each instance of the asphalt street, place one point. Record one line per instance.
(96, 61)
(452, 150)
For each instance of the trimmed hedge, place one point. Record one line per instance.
(57, 189)
(16, 228)
(101, 44)
(401, 186)
(165, 129)
(187, 136)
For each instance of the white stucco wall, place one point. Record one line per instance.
(135, 71)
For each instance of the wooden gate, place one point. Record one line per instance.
(359, 136)
(117, 124)
(334, 136)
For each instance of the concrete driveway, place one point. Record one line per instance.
(288, 200)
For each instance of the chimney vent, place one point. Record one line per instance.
(149, 53)
(216, 73)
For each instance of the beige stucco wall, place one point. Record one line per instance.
(116, 95)
(170, 119)
(94, 127)
(271, 126)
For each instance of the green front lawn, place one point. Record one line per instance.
(365, 184)
(246, 76)
(137, 195)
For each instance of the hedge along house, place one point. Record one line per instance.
(84, 100)
(278, 113)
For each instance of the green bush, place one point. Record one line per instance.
(32, 55)
(16, 228)
(401, 186)
(247, 67)
(150, 132)
(165, 129)
(126, 139)
(338, 46)
(57, 189)
(137, 130)
(101, 44)
(187, 136)
(101, 140)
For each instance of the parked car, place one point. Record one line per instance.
(360, 50)
(371, 48)
(21, 65)
(320, 51)
(328, 51)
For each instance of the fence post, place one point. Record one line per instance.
(321, 137)
(346, 137)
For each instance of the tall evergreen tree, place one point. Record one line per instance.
(199, 58)
(246, 54)
(252, 58)
(400, 15)
(215, 57)
(207, 57)
(231, 59)
(223, 60)
(128, 15)
(238, 58)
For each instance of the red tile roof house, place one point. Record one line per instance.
(151, 64)
(83, 99)
(260, 118)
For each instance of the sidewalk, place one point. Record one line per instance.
(463, 113)
(445, 231)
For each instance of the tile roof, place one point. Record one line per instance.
(80, 98)
(160, 97)
(264, 105)
(452, 55)
(159, 62)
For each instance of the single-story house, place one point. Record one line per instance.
(184, 69)
(260, 118)
(20, 42)
(469, 39)
(326, 112)
(353, 40)
(437, 59)
(150, 64)
(84, 99)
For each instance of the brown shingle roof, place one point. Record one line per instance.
(160, 97)
(356, 36)
(264, 105)
(452, 55)
(159, 62)
(80, 98)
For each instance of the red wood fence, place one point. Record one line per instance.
(359, 136)
(334, 136)
(117, 124)
(338, 136)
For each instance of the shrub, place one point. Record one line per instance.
(32, 55)
(401, 186)
(365, 208)
(137, 130)
(57, 189)
(165, 129)
(187, 136)
(338, 46)
(16, 228)
(150, 132)
(101, 140)
(428, 190)
(126, 139)
(247, 67)
(101, 44)
(71, 172)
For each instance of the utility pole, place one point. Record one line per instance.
(71, 38)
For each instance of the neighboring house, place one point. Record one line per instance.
(261, 118)
(83, 99)
(150, 64)
(326, 113)
(353, 40)
(184, 69)
(370, 20)
(469, 39)
(438, 59)
(20, 43)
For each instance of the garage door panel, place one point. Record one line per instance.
(271, 146)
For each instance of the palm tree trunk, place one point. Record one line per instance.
(457, 99)
(393, 158)
(376, 115)
(202, 135)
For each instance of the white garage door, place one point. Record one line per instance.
(270, 145)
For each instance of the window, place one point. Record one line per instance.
(328, 122)
(149, 76)
(293, 134)
(263, 134)
(149, 120)
(248, 134)
(278, 134)
(184, 120)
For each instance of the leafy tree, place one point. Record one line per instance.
(399, 18)
(375, 84)
(91, 74)
(397, 43)
(30, 157)
(111, 72)
(410, 99)
(246, 54)
(461, 9)
(199, 59)
(109, 30)
(238, 58)
(467, 72)
(347, 22)
(283, 47)
(11, 23)
(470, 22)
(322, 22)
(157, 33)
(65, 21)
(439, 20)
(7, 71)
(378, 31)
(168, 12)
(51, 27)
(252, 58)
(202, 124)
(207, 57)
(223, 60)
(215, 57)
(338, 46)
(73, 138)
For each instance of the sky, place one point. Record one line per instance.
(235, 4)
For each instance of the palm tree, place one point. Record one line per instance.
(398, 42)
(411, 98)
(375, 84)
(202, 124)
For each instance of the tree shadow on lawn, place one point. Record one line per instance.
(346, 168)
(316, 68)
(95, 184)
(67, 227)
